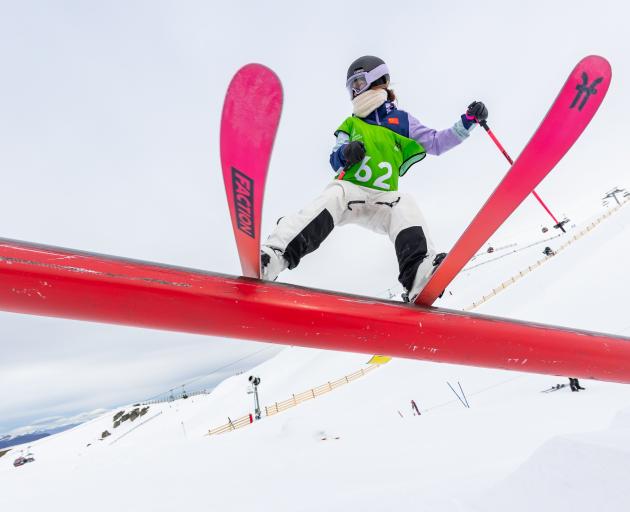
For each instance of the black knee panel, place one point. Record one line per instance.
(309, 238)
(411, 249)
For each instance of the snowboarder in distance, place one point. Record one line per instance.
(375, 146)
(548, 251)
(575, 384)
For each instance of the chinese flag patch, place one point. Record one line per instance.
(393, 120)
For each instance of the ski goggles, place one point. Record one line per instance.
(362, 80)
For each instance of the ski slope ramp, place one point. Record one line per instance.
(360, 447)
(571, 472)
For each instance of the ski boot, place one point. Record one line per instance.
(272, 262)
(575, 384)
(422, 278)
(439, 258)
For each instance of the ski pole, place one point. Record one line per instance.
(457, 394)
(463, 394)
(485, 126)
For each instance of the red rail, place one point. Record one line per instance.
(57, 282)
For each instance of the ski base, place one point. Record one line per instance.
(249, 122)
(571, 112)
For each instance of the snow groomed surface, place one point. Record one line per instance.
(41, 280)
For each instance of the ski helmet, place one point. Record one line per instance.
(364, 73)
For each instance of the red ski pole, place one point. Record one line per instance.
(485, 126)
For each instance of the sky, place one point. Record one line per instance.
(109, 142)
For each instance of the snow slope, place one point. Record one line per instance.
(360, 447)
(586, 471)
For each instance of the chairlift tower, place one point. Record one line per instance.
(613, 194)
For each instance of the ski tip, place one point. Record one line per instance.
(598, 62)
(594, 56)
(257, 68)
(258, 77)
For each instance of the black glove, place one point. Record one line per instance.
(477, 110)
(353, 152)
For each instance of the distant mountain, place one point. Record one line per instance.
(7, 440)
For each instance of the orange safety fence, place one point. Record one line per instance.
(589, 228)
(296, 399)
(243, 421)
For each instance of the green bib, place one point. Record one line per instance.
(388, 155)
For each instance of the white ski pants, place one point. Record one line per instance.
(342, 202)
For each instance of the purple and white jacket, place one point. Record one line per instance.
(435, 142)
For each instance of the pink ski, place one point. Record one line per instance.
(251, 114)
(575, 106)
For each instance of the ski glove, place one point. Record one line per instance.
(353, 152)
(476, 113)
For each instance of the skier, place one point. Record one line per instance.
(575, 384)
(374, 147)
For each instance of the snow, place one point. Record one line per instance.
(360, 446)
(570, 472)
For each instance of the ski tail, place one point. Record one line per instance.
(573, 109)
(251, 114)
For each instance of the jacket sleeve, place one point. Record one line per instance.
(437, 142)
(337, 161)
